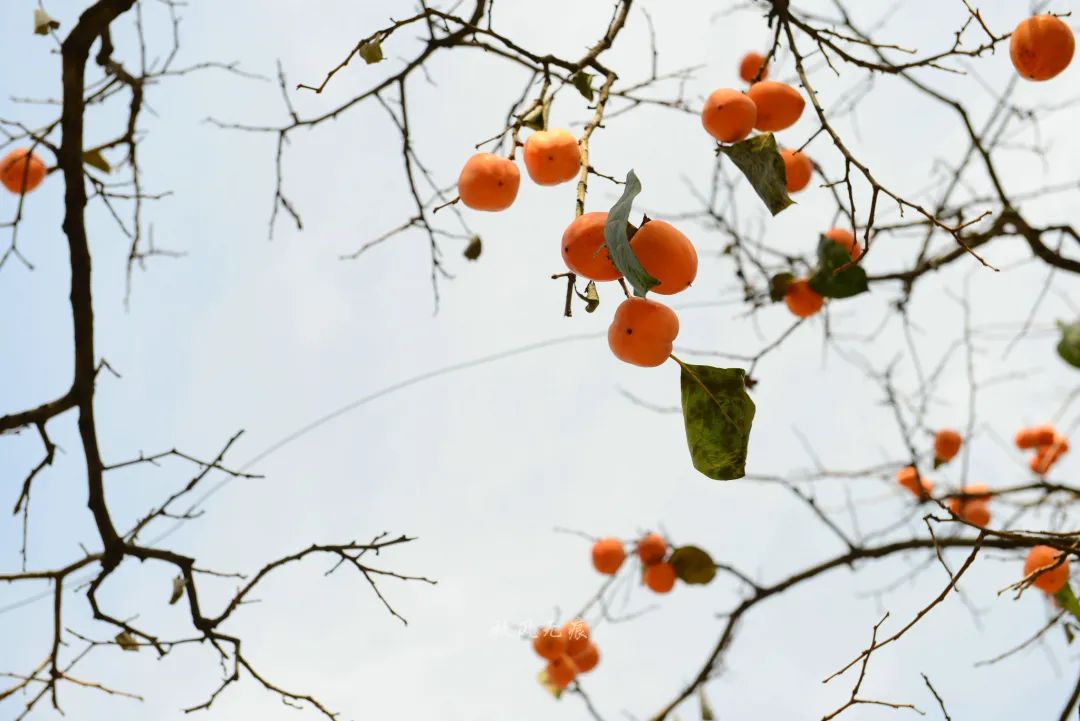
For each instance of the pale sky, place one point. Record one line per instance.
(484, 464)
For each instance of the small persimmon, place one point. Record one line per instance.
(1025, 438)
(642, 332)
(1041, 47)
(973, 505)
(576, 633)
(21, 171)
(797, 169)
(552, 156)
(607, 555)
(561, 671)
(1052, 580)
(489, 182)
(587, 658)
(728, 115)
(846, 240)
(779, 105)
(750, 65)
(651, 549)
(909, 478)
(667, 255)
(1043, 435)
(802, 300)
(660, 577)
(581, 249)
(549, 643)
(947, 444)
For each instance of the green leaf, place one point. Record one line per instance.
(759, 160)
(778, 286)
(1069, 347)
(43, 23)
(95, 159)
(534, 119)
(718, 414)
(1067, 600)
(693, 565)
(592, 297)
(828, 280)
(583, 82)
(473, 249)
(371, 51)
(617, 239)
(126, 641)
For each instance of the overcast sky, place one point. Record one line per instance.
(483, 464)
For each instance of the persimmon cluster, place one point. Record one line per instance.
(971, 503)
(658, 574)
(568, 650)
(1048, 444)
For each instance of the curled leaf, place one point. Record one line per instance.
(832, 282)
(126, 641)
(592, 298)
(693, 565)
(474, 248)
(371, 51)
(617, 239)
(95, 159)
(43, 23)
(177, 590)
(759, 160)
(583, 82)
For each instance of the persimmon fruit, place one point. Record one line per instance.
(576, 633)
(651, 549)
(642, 332)
(802, 300)
(549, 643)
(947, 444)
(728, 115)
(910, 479)
(1041, 47)
(608, 555)
(587, 658)
(779, 105)
(797, 169)
(21, 171)
(749, 66)
(581, 249)
(489, 182)
(845, 239)
(561, 671)
(974, 505)
(1052, 580)
(660, 577)
(552, 156)
(667, 255)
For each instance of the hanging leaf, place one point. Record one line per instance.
(1069, 347)
(693, 565)
(706, 710)
(778, 286)
(177, 590)
(718, 414)
(617, 239)
(371, 51)
(759, 160)
(43, 23)
(1070, 634)
(831, 282)
(126, 641)
(1067, 600)
(95, 159)
(534, 119)
(473, 249)
(592, 298)
(583, 82)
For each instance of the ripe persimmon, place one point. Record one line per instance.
(1025, 438)
(797, 169)
(1043, 435)
(561, 671)
(21, 171)
(607, 555)
(488, 182)
(1041, 47)
(667, 255)
(728, 115)
(802, 300)
(1052, 580)
(576, 633)
(778, 105)
(946, 444)
(973, 506)
(587, 658)
(552, 156)
(910, 479)
(549, 643)
(581, 249)
(749, 66)
(642, 331)
(651, 549)
(845, 239)
(660, 577)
